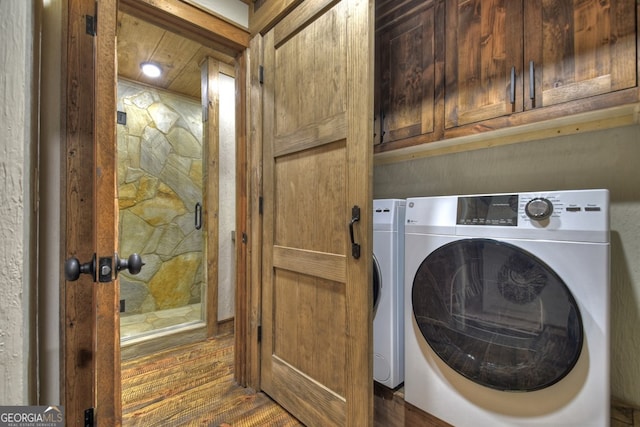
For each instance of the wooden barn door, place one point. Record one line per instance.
(316, 307)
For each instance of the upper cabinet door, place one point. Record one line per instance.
(484, 60)
(577, 49)
(406, 72)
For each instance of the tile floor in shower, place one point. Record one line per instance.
(133, 325)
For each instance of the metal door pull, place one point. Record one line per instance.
(355, 217)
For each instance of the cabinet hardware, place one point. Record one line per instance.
(532, 87)
(512, 97)
(381, 125)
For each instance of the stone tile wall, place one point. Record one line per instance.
(159, 184)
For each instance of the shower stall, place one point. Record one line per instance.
(161, 183)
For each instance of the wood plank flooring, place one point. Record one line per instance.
(193, 386)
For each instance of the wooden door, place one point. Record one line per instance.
(578, 49)
(406, 104)
(316, 299)
(483, 70)
(90, 313)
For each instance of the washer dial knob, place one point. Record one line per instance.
(538, 208)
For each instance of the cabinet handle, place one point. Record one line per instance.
(532, 82)
(512, 96)
(381, 124)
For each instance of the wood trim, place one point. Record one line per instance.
(242, 268)
(359, 66)
(211, 182)
(251, 344)
(77, 297)
(623, 115)
(574, 111)
(191, 22)
(108, 408)
(264, 18)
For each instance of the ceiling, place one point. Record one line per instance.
(179, 57)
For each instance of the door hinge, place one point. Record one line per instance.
(260, 205)
(261, 74)
(88, 417)
(91, 23)
(259, 333)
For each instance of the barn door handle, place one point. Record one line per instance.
(355, 217)
(198, 219)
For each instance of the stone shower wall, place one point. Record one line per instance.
(159, 184)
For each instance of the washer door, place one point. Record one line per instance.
(377, 284)
(497, 315)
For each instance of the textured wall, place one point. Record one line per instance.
(15, 127)
(604, 159)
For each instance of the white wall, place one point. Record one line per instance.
(227, 195)
(604, 159)
(16, 124)
(235, 11)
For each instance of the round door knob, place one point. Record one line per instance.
(73, 269)
(538, 209)
(133, 264)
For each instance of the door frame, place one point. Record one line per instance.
(90, 341)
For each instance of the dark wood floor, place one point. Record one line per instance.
(193, 386)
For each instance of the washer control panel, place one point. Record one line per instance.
(576, 215)
(538, 208)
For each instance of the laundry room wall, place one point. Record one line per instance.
(599, 159)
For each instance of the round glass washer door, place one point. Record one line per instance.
(377, 284)
(497, 315)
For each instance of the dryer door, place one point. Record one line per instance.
(497, 315)
(377, 284)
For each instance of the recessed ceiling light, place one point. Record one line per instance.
(150, 69)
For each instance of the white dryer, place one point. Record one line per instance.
(388, 261)
(507, 308)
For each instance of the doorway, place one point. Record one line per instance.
(176, 187)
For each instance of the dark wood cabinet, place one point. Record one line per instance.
(483, 71)
(578, 49)
(506, 56)
(453, 68)
(408, 88)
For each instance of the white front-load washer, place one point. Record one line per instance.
(507, 308)
(388, 322)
